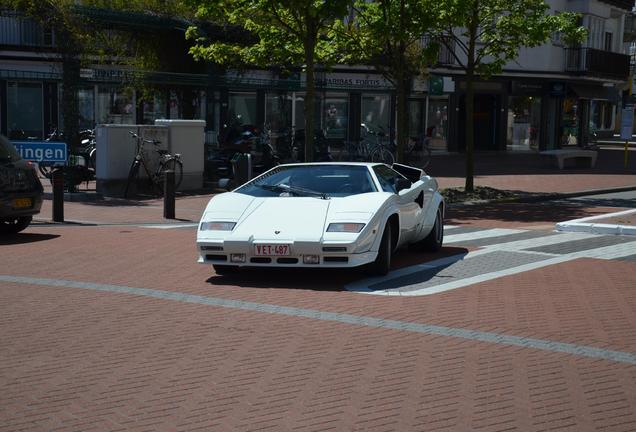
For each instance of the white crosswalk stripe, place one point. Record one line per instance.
(475, 235)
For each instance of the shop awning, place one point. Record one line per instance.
(596, 92)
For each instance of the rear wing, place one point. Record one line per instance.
(411, 173)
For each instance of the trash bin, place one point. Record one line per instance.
(242, 168)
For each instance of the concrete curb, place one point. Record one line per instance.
(584, 225)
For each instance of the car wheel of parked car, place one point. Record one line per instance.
(382, 263)
(433, 241)
(224, 269)
(14, 225)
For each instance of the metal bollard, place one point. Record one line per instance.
(168, 195)
(57, 180)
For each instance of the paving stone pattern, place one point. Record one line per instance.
(486, 263)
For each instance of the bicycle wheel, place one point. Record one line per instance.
(170, 164)
(426, 156)
(383, 155)
(133, 174)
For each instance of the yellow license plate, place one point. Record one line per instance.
(22, 203)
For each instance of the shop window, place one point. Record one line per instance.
(86, 99)
(376, 113)
(570, 122)
(524, 120)
(278, 111)
(415, 119)
(335, 116)
(25, 116)
(155, 106)
(114, 106)
(437, 124)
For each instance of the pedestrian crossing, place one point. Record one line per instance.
(501, 252)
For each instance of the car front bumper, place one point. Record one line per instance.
(331, 255)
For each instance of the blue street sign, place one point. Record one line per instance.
(42, 151)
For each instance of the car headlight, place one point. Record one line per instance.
(345, 227)
(217, 226)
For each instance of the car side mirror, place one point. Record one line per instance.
(401, 184)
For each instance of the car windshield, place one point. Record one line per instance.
(8, 151)
(320, 181)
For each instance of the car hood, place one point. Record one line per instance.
(285, 218)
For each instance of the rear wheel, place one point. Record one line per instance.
(382, 263)
(222, 270)
(433, 241)
(45, 170)
(174, 165)
(133, 173)
(14, 225)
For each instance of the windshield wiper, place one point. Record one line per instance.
(293, 190)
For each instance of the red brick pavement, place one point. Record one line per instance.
(82, 360)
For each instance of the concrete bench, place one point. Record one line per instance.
(562, 154)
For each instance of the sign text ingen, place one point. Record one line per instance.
(42, 151)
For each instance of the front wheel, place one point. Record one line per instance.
(133, 173)
(383, 155)
(433, 241)
(14, 225)
(382, 263)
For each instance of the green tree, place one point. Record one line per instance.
(388, 35)
(288, 33)
(484, 35)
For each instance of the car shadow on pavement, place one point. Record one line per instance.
(23, 238)
(548, 212)
(325, 279)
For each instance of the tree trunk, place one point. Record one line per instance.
(310, 97)
(470, 132)
(402, 117)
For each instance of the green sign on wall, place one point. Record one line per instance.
(435, 85)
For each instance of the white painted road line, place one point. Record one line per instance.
(495, 232)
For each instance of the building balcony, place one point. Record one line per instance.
(17, 31)
(597, 63)
(630, 28)
(445, 55)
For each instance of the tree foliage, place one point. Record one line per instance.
(288, 33)
(387, 34)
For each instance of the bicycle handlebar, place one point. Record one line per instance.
(134, 135)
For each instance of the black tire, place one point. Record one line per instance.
(174, 165)
(382, 263)
(222, 270)
(92, 159)
(133, 173)
(14, 225)
(433, 241)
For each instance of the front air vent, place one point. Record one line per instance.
(287, 260)
(212, 248)
(216, 258)
(336, 259)
(334, 249)
(260, 260)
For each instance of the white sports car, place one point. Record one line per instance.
(322, 215)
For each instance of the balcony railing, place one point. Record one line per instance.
(445, 54)
(18, 31)
(598, 63)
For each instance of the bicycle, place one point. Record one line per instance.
(84, 156)
(418, 151)
(365, 150)
(156, 178)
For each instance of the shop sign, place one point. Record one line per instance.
(557, 89)
(352, 81)
(527, 88)
(436, 85)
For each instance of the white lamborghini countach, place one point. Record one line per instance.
(322, 215)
